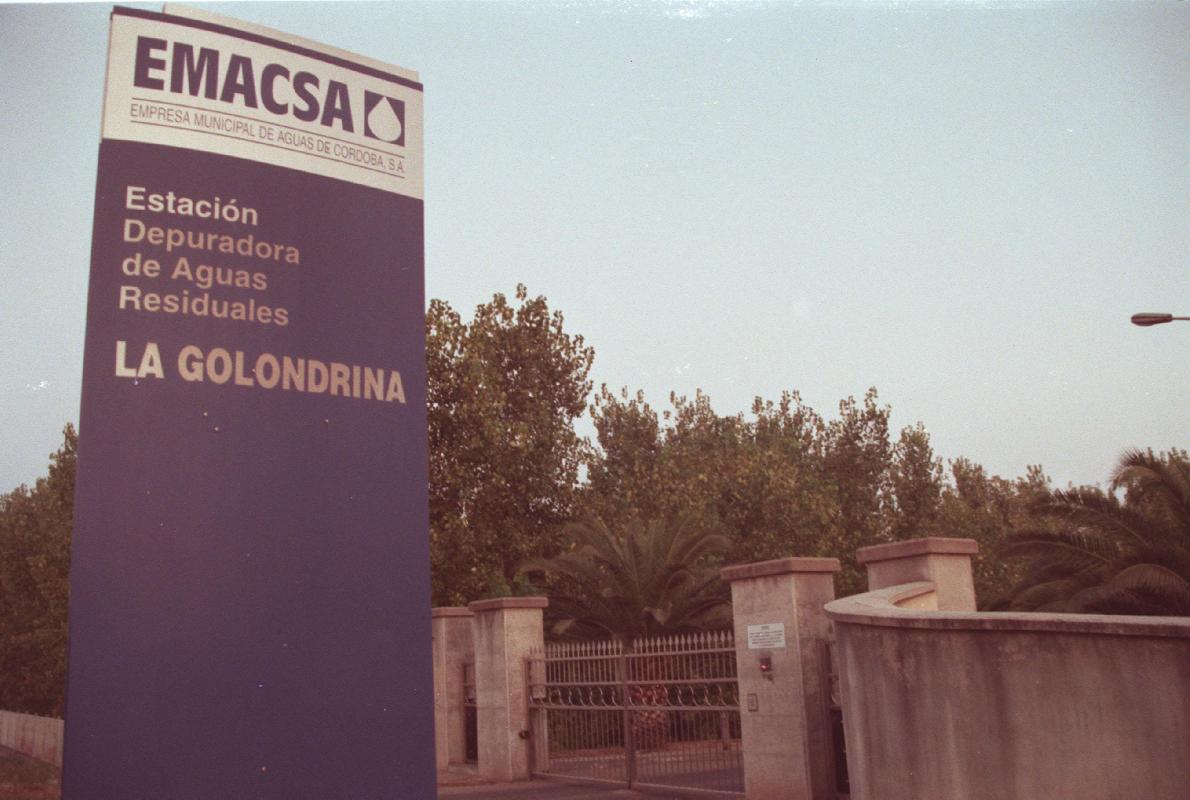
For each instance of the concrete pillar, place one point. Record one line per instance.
(506, 631)
(781, 636)
(452, 648)
(944, 562)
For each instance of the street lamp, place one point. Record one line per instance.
(1145, 320)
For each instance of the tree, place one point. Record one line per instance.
(760, 478)
(653, 579)
(623, 478)
(503, 393)
(916, 476)
(783, 481)
(35, 529)
(988, 509)
(1110, 555)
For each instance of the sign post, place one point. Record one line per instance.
(250, 579)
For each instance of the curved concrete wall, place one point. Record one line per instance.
(989, 706)
(39, 737)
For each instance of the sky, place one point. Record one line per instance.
(959, 204)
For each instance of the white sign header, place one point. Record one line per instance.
(197, 82)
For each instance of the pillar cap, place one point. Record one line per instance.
(917, 547)
(451, 611)
(497, 603)
(779, 566)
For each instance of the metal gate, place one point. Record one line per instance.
(654, 714)
(470, 716)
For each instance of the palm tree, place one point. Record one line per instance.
(1100, 553)
(653, 579)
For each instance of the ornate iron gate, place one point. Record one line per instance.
(660, 714)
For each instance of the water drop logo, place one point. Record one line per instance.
(384, 118)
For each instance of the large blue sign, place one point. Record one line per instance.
(249, 588)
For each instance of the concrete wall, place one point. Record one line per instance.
(39, 737)
(944, 562)
(1011, 706)
(452, 648)
(505, 632)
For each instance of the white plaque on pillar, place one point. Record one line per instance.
(768, 636)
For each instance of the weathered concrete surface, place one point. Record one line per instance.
(452, 648)
(1011, 706)
(944, 562)
(39, 737)
(506, 631)
(784, 716)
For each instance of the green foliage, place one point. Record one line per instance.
(1096, 552)
(35, 528)
(858, 455)
(653, 579)
(782, 481)
(504, 391)
(987, 509)
(916, 476)
(758, 478)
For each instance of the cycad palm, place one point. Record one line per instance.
(650, 580)
(1111, 556)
